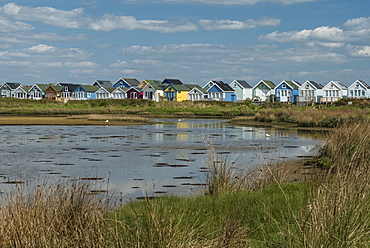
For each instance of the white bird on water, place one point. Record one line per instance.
(268, 135)
(107, 121)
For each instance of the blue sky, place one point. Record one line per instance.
(194, 40)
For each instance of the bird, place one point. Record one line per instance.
(107, 121)
(268, 135)
(179, 119)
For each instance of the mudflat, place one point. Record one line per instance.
(294, 170)
(60, 120)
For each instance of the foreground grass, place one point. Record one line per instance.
(229, 219)
(332, 209)
(65, 214)
(340, 214)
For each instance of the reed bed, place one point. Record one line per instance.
(65, 214)
(227, 219)
(339, 213)
(308, 117)
(221, 172)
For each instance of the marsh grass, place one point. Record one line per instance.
(312, 117)
(340, 209)
(57, 215)
(348, 147)
(225, 173)
(222, 174)
(229, 219)
(103, 117)
(141, 107)
(162, 222)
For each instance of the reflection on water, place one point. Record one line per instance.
(143, 159)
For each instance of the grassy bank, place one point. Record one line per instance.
(141, 107)
(240, 208)
(228, 219)
(241, 112)
(326, 117)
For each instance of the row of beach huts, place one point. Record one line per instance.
(174, 90)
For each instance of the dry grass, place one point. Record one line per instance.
(311, 117)
(58, 215)
(222, 174)
(226, 174)
(339, 213)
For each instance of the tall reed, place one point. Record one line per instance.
(225, 174)
(64, 214)
(339, 213)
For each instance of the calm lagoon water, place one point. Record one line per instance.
(142, 159)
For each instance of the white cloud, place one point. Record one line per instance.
(42, 48)
(359, 51)
(10, 39)
(82, 64)
(324, 36)
(209, 61)
(119, 63)
(44, 62)
(306, 35)
(234, 2)
(111, 22)
(46, 53)
(47, 15)
(231, 54)
(212, 25)
(9, 26)
(365, 51)
(358, 23)
(310, 57)
(76, 19)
